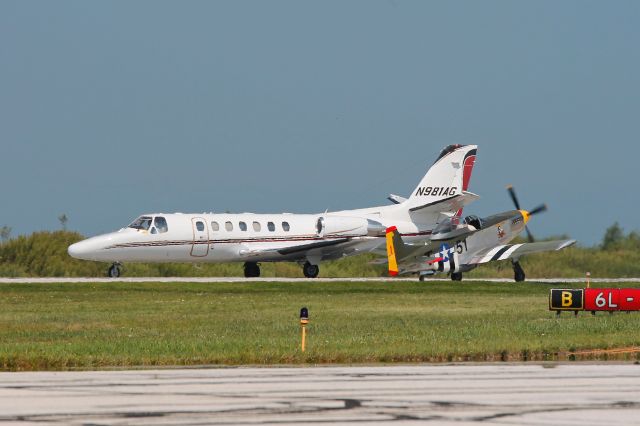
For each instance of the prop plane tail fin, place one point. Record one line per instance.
(391, 252)
(396, 248)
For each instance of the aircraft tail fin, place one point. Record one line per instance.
(395, 249)
(447, 178)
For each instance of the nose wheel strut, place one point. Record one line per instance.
(114, 270)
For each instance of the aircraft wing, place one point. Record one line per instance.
(323, 250)
(312, 246)
(515, 251)
(292, 249)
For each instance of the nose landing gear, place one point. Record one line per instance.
(114, 270)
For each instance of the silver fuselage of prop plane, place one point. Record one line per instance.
(455, 247)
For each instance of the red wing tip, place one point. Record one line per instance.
(391, 229)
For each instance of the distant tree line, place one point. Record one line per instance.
(615, 239)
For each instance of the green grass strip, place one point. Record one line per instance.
(62, 326)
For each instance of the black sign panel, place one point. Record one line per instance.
(566, 299)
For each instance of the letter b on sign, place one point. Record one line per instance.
(566, 299)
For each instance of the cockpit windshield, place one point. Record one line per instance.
(143, 222)
(161, 224)
(474, 221)
(447, 225)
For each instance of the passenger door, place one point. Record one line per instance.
(200, 246)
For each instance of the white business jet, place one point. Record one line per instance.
(304, 238)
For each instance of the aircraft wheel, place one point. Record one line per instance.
(310, 271)
(114, 271)
(518, 272)
(251, 270)
(456, 276)
(420, 278)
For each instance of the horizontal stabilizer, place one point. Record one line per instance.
(396, 199)
(451, 204)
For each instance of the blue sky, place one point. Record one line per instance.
(112, 109)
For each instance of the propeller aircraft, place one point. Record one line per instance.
(456, 246)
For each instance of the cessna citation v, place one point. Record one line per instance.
(304, 238)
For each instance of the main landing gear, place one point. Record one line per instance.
(456, 276)
(251, 270)
(518, 272)
(310, 271)
(114, 270)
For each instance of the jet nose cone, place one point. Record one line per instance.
(76, 250)
(85, 250)
(93, 248)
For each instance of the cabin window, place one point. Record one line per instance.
(243, 226)
(285, 226)
(161, 224)
(256, 226)
(143, 222)
(228, 226)
(271, 227)
(200, 226)
(215, 226)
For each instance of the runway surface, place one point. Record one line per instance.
(293, 280)
(493, 394)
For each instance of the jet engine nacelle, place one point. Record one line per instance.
(348, 226)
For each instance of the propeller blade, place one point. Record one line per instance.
(541, 208)
(529, 235)
(514, 198)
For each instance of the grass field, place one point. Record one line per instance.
(61, 326)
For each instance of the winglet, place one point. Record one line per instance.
(391, 252)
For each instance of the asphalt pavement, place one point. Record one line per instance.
(492, 394)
